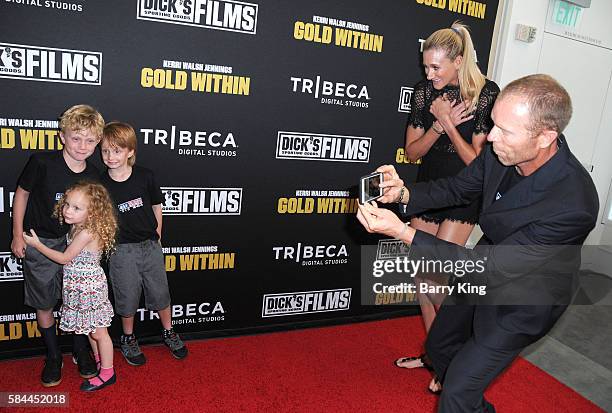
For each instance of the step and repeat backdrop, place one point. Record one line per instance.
(258, 118)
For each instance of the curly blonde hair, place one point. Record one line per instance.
(101, 218)
(79, 117)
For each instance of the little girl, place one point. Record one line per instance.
(87, 207)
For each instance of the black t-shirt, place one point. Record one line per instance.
(511, 178)
(46, 176)
(135, 198)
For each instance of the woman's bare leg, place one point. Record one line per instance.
(428, 310)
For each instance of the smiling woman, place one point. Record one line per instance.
(447, 130)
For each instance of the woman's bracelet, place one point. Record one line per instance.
(439, 132)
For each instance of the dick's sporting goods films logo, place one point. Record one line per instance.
(228, 15)
(319, 147)
(404, 99)
(331, 92)
(47, 64)
(306, 302)
(11, 267)
(192, 143)
(201, 201)
(307, 255)
(389, 249)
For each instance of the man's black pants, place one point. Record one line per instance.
(465, 367)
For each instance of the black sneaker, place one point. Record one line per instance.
(131, 351)
(174, 343)
(52, 372)
(86, 364)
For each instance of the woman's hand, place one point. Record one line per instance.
(450, 112)
(459, 113)
(381, 221)
(392, 184)
(32, 240)
(441, 108)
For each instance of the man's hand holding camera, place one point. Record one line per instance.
(381, 220)
(393, 186)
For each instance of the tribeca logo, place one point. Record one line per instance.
(332, 93)
(11, 267)
(201, 201)
(404, 99)
(205, 312)
(227, 15)
(277, 305)
(47, 64)
(319, 147)
(312, 254)
(193, 143)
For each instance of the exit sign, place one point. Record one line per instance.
(566, 14)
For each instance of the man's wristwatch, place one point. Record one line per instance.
(401, 197)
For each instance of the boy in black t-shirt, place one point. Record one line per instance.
(138, 262)
(41, 184)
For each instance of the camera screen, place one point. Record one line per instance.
(373, 189)
(369, 187)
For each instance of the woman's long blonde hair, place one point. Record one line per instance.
(456, 41)
(101, 218)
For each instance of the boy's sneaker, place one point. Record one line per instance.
(131, 350)
(174, 343)
(86, 364)
(52, 372)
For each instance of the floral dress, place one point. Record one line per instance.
(85, 294)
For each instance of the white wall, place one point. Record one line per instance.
(584, 69)
(512, 59)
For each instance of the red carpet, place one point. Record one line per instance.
(334, 369)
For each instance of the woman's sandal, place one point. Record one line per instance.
(422, 358)
(436, 384)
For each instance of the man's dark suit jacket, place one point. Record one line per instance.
(532, 238)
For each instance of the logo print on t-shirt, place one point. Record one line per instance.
(129, 205)
(498, 196)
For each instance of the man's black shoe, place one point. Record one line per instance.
(85, 362)
(52, 372)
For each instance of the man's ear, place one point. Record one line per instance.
(546, 138)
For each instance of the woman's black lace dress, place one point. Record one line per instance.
(442, 159)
